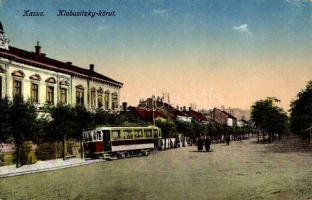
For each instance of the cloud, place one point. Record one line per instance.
(298, 3)
(160, 12)
(295, 2)
(243, 28)
(102, 27)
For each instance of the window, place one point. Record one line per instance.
(106, 100)
(138, 133)
(114, 100)
(79, 96)
(87, 136)
(100, 101)
(148, 133)
(127, 134)
(34, 93)
(116, 134)
(93, 136)
(156, 134)
(50, 95)
(98, 135)
(63, 95)
(93, 98)
(17, 88)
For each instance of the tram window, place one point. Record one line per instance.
(98, 135)
(138, 133)
(89, 138)
(116, 134)
(127, 134)
(86, 136)
(92, 136)
(148, 134)
(155, 133)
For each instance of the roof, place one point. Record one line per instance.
(44, 62)
(229, 115)
(197, 116)
(161, 106)
(145, 114)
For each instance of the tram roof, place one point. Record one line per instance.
(127, 127)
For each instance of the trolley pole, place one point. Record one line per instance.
(153, 99)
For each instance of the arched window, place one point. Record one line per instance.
(106, 99)
(18, 73)
(64, 82)
(100, 98)
(79, 95)
(35, 77)
(34, 88)
(93, 93)
(51, 80)
(17, 82)
(114, 100)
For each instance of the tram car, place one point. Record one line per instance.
(120, 142)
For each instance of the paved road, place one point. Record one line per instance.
(243, 170)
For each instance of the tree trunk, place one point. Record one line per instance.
(258, 134)
(18, 155)
(183, 142)
(64, 147)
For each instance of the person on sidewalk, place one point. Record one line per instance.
(207, 143)
(227, 140)
(200, 143)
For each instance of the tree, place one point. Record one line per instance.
(62, 123)
(168, 128)
(301, 109)
(269, 118)
(22, 123)
(5, 132)
(82, 120)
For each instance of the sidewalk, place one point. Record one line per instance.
(42, 166)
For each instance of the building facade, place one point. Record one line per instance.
(43, 80)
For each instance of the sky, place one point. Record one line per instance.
(205, 52)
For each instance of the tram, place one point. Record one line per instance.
(120, 142)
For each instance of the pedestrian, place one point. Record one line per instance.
(200, 143)
(207, 143)
(227, 140)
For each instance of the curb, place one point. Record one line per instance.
(48, 169)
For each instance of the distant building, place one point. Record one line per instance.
(239, 113)
(40, 79)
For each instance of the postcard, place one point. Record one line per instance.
(155, 99)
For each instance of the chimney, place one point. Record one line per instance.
(124, 106)
(91, 67)
(38, 48)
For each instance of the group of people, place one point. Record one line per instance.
(203, 141)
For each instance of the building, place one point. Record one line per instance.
(239, 113)
(218, 116)
(40, 79)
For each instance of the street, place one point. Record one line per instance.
(243, 170)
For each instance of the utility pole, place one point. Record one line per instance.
(153, 99)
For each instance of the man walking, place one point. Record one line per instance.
(200, 143)
(207, 143)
